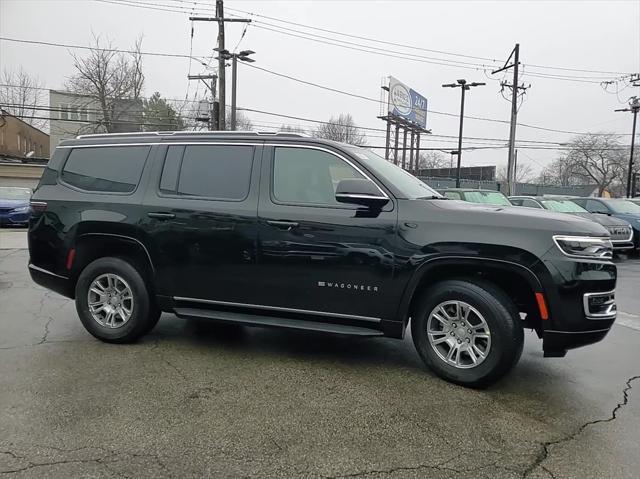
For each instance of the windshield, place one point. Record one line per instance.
(15, 193)
(563, 206)
(624, 206)
(487, 197)
(408, 185)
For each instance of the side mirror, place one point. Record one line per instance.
(359, 191)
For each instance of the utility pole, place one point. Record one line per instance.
(221, 65)
(515, 172)
(634, 107)
(212, 119)
(244, 57)
(515, 54)
(221, 60)
(464, 86)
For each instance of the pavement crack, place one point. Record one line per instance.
(546, 446)
(46, 331)
(441, 466)
(109, 457)
(161, 353)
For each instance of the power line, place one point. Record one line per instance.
(115, 50)
(372, 49)
(412, 47)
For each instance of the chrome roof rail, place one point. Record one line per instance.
(191, 133)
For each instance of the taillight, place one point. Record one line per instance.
(38, 206)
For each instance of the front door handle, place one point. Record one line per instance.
(283, 225)
(161, 215)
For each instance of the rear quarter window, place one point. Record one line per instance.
(114, 169)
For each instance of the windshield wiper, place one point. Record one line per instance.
(432, 197)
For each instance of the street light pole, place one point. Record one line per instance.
(234, 57)
(462, 84)
(634, 107)
(234, 76)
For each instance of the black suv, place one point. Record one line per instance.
(287, 231)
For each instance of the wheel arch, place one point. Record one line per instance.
(91, 246)
(519, 282)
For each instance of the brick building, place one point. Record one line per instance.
(18, 138)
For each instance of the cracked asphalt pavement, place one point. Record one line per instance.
(197, 399)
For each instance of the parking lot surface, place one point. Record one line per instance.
(196, 399)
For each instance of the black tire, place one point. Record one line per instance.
(144, 313)
(501, 316)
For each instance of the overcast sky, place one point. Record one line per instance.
(596, 35)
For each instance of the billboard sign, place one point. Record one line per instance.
(407, 103)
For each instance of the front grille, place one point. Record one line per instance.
(600, 305)
(620, 233)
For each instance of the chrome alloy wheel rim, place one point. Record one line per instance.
(459, 334)
(110, 301)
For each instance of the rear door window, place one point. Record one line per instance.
(113, 169)
(208, 171)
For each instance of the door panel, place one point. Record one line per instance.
(321, 257)
(201, 220)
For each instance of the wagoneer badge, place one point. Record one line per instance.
(351, 286)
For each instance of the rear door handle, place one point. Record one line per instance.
(283, 225)
(161, 215)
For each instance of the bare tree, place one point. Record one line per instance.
(292, 129)
(598, 159)
(560, 172)
(243, 122)
(341, 129)
(432, 160)
(111, 78)
(524, 173)
(21, 95)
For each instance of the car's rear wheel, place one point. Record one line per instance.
(113, 301)
(469, 333)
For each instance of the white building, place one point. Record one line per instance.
(72, 114)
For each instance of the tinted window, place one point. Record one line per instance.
(563, 206)
(516, 201)
(530, 203)
(114, 169)
(487, 197)
(407, 184)
(169, 178)
(596, 207)
(623, 206)
(304, 175)
(454, 195)
(210, 171)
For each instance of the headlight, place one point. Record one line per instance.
(22, 209)
(585, 247)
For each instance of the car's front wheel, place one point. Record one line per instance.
(113, 301)
(469, 333)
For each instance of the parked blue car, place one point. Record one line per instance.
(14, 206)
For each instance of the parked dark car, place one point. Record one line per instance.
(281, 230)
(617, 208)
(14, 206)
(485, 197)
(620, 230)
